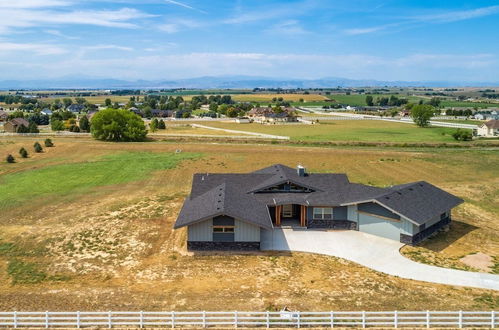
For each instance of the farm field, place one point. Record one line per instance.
(349, 130)
(88, 225)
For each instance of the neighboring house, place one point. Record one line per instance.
(489, 129)
(267, 114)
(13, 125)
(46, 112)
(3, 115)
(229, 211)
(136, 111)
(486, 116)
(162, 113)
(76, 108)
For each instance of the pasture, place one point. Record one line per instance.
(349, 130)
(88, 225)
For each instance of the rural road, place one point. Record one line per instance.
(373, 252)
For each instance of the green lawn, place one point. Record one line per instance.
(350, 130)
(360, 99)
(77, 178)
(461, 121)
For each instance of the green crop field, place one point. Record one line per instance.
(349, 130)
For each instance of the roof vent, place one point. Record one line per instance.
(302, 171)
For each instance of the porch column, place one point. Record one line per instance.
(278, 209)
(303, 215)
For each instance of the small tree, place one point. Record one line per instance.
(57, 125)
(85, 124)
(23, 153)
(22, 129)
(161, 124)
(38, 147)
(462, 135)
(11, 159)
(154, 125)
(49, 143)
(421, 114)
(369, 100)
(33, 128)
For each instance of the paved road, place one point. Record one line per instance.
(374, 252)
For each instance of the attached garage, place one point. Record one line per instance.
(377, 220)
(380, 227)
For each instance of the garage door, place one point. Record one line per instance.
(379, 227)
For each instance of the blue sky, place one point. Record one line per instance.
(165, 39)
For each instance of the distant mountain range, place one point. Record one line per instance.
(223, 82)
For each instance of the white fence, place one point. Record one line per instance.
(394, 319)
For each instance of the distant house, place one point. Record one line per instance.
(268, 115)
(76, 108)
(162, 113)
(3, 115)
(136, 111)
(489, 129)
(13, 125)
(46, 112)
(486, 115)
(234, 211)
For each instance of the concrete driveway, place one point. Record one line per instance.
(371, 251)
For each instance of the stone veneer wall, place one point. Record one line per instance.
(332, 224)
(223, 246)
(422, 235)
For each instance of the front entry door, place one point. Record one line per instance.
(287, 211)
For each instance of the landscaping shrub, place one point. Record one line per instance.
(11, 159)
(49, 143)
(462, 135)
(161, 124)
(38, 147)
(23, 153)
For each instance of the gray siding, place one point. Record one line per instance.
(246, 232)
(201, 231)
(340, 213)
(377, 210)
(352, 214)
(408, 227)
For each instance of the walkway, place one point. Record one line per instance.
(371, 251)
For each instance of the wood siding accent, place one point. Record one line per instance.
(278, 212)
(303, 215)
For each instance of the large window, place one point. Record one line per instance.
(323, 213)
(223, 229)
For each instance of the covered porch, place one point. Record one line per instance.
(289, 215)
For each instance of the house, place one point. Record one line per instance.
(3, 115)
(13, 125)
(486, 115)
(162, 113)
(230, 211)
(46, 112)
(488, 129)
(267, 114)
(76, 108)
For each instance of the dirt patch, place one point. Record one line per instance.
(479, 261)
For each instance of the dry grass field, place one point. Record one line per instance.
(107, 243)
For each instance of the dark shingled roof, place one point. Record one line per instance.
(19, 122)
(237, 195)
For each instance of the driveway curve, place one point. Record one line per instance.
(371, 251)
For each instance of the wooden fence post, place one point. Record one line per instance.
(363, 319)
(141, 322)
(173, 319)
(267, 319)
(235, 319)
(332, 319)
(78, 319)
(492, 319)
(395, 319)
(428, 319)
(110, 320)
(460, 321)
(204, 319)
(46, 319)
(298, 320)
(15, 319)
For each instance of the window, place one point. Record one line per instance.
(324, 213)
(443, 216)
(287, 211)
(223, 229)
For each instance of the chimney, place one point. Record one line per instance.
(301, 170)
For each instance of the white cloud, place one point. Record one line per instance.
(33, 3)
(58, 33)
(23, 18)
(357, 31)
(177, 25)
(289, 27)
(38, 49)
(459, 15)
